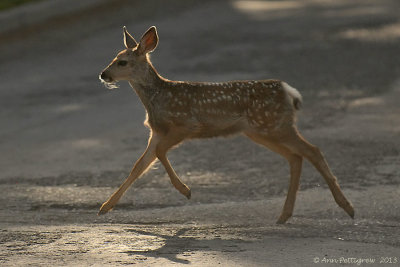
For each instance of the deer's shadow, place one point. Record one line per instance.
(178, 244)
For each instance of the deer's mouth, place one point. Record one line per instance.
(108, 81)
(105, 78)
(110, 85)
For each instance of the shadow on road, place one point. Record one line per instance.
(67, 142)
(178, 244)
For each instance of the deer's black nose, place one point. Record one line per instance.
(103, 75)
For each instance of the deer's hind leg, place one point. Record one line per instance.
(297, 144)
(295, 162)
(164, 145)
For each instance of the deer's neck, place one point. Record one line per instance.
(148, 86)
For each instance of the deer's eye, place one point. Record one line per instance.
(122, 63)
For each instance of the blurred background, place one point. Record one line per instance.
(67, 142)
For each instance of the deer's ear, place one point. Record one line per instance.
(149, 41)
(129, 41)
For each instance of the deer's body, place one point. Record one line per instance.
(176, 111)
(203, 110)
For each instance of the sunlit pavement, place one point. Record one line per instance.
(67, 142)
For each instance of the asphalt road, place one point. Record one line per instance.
(67, 142)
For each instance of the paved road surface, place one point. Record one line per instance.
(67, 142)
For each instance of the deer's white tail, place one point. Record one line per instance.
(294, 94)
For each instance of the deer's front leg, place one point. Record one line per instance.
(161, 152)
(139, 168)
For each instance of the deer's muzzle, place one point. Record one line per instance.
(105, 77)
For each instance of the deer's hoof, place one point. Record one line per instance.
(350, 211)
(104, 209)
(189, 194)
(101, 212)
(283, 218)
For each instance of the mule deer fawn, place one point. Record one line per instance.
(262, 110)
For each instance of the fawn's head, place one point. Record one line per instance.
(133, 62)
